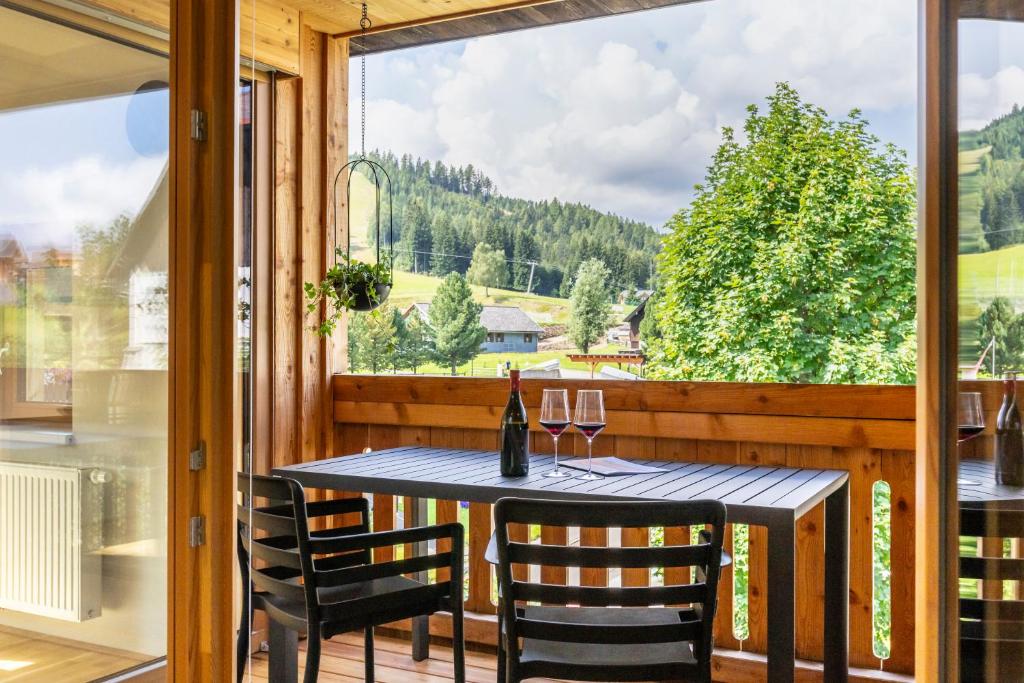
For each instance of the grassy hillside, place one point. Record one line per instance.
(972, 237)
(412, 288)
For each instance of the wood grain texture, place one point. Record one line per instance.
(269, 30)
(936, 543)
(512, 16)
(343, 657)
(203, 187)
(657, 445)
(798, 400)
(828, 431)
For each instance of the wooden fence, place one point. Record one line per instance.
(868, 431)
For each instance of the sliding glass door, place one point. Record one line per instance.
(83, 352)
(989, 506)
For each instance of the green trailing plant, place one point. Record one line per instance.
(346, 286)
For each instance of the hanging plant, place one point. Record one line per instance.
(350, 284)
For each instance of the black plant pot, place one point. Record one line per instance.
(362, 302)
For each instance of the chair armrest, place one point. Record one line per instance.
(380, 539)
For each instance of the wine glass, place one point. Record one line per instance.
(554, 417)
(589, 421)
(970, 418)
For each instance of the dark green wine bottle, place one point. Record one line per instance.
(515, 434)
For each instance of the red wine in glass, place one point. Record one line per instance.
(554, 428)
(590, 429)
(554, 417)
(965, 432)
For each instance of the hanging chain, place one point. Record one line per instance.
(364, 24)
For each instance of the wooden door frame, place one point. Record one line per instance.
(204, 77)
(936, 550)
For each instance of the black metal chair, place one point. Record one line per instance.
(614, 634)
(322, 583)
(991, 630)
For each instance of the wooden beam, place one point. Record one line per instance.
(426, 21)
(203, 183)
(936, 518)
(489, 21)
(813, 431)
(806, 400)
(1004, 10)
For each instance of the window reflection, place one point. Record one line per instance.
(83, 345)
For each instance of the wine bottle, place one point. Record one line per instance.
(515, 433)
(1009, 446)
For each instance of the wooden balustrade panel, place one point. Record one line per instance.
(864, 429)
(898, 470)
(810, 555)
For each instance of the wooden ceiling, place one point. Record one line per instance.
(46, 63)
(342, 16)
(525, 16)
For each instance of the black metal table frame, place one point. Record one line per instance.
(781, 552)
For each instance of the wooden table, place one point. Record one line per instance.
(977, 488)
(773, 497)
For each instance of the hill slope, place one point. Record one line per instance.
(441, 213)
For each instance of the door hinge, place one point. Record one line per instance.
(198, 125)
(196, 531)
(197, 458)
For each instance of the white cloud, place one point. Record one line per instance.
(983, 99)
(624, 113)
(46, 204)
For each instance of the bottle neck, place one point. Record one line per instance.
(514, 380)
(1009, 387)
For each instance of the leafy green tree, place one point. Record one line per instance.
(372, 339)
(415, 344)
(999, 321)
(650, 332)
(795, 261)
(589, 305)
(487, 268)
(455, 322)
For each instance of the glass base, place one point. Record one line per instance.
(558, 473)
(591, 476)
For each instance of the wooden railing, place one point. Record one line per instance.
(868, 431)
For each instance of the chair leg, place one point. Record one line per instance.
(242, 642)
(501, 644)
(312, 655)
(368, 655)
(458, 643)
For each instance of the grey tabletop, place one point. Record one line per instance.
(753, 494)
(978, 489)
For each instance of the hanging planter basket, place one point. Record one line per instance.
(350, 284)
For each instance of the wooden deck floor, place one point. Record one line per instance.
(342, 662)
(26, 656)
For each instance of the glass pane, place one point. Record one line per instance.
(83, 351)
(630, 144)
(991, 333)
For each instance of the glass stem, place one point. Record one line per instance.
(556, 453)
(590, 456)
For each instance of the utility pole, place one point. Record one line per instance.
(529, 285)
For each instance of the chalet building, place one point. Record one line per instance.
(509, 328)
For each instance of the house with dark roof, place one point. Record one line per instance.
(509, 328)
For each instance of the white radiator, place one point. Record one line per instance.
(47, 516)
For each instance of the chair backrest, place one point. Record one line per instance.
(701, 593)
(992, 629)
(275, 538)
